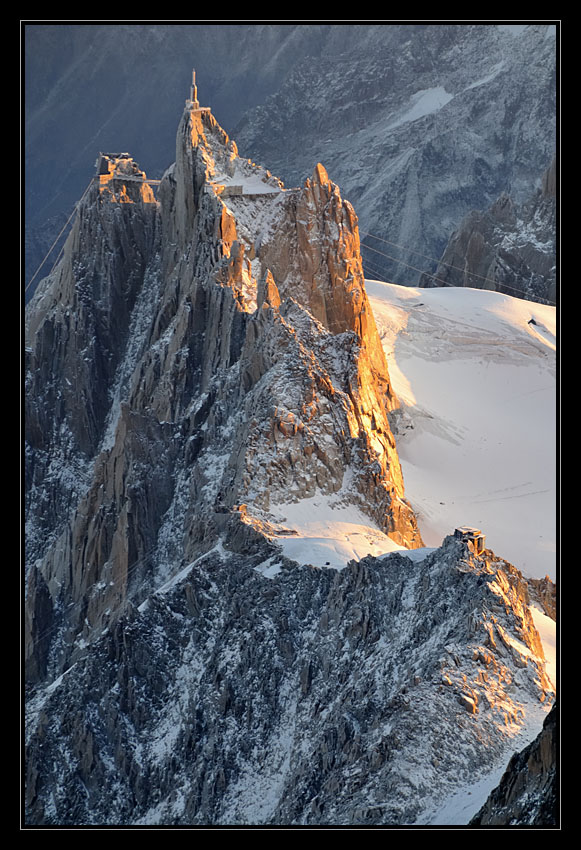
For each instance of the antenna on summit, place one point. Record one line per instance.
(192, 102)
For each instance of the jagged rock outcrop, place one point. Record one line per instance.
(509, 248)
(366, 695)
(527, 793)
(544, 592)
(157, 386)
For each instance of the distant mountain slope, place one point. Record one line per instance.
(419, 124)
(508, 248)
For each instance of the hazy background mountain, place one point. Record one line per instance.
(419, 124)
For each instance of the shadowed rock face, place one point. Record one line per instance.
(77, 330)
(182, 360)
(361, 696)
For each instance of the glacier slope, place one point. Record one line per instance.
(475, 372)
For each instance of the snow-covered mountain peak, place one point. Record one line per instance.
(230, 615)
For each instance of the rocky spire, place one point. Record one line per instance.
(192, 354)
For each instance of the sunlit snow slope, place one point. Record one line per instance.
(475, 372)
(324, 532)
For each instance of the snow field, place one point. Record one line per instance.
(328, 535)
(476, 380)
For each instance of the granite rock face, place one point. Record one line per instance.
(181, 364)
(76, 333)
(544, 592)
